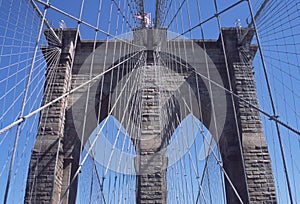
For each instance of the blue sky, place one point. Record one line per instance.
(284, 78)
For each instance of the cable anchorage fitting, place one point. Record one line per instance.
(220, 162)
(47, 5)
(273, 117)
(22, 118)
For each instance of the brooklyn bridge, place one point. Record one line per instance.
(140, 101)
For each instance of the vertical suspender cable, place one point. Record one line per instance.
(24, 104)
(272, 102)
(65, 102)
(95, 139)
(232, 98)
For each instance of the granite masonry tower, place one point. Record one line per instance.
(245, 156)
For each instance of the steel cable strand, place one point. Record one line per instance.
(211, 149)
(90, 148)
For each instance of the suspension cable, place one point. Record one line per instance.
(272, 102)
(23, 105)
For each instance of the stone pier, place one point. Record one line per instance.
(237, 126)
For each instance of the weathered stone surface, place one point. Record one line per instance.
(44, 182)
(165, 100)
(257, 162)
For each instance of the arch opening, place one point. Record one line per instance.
(193, 169)
(109, 164)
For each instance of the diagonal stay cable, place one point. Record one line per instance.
(91, 145)
(84, 22)
(122, 13)
(272, 102)
(88, 93)
(23, 118)
(45, 21)
(16, 99)
(97, 135)
(190, 156)
(119, 129)
(180, 7)
(209, 18)
(270, 116)
(29, 76)
(229, 78)
(167, 13)
(214, 154)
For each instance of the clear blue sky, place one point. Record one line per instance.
(281, 83)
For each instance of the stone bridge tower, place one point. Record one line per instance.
(202, 68)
